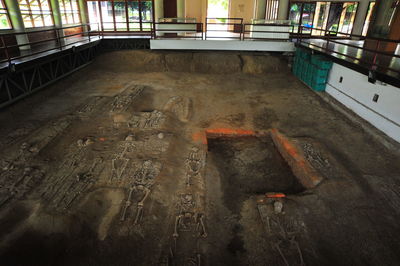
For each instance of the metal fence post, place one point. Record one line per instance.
(6, 49)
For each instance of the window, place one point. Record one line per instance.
(371, 8)
(4, 18)
(316, 17)
(271, 9)
(321, 18)
(36, 13)
(121, 15)
(302, 13)
(347, 17)
(69, 11)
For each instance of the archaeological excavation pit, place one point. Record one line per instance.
(250, 166)
(191, 158)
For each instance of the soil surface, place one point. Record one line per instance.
(110, 166)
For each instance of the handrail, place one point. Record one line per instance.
(237, 27)
(44, 30)
(59, 39)
(373, 64)
(347, 34)
(198, 29)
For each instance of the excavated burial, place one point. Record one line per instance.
(249, 166)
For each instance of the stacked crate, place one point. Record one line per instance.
(311, 69)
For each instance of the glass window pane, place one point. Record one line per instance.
(294, 15)
(307, 17)
(38, 21)
(48, 20)
(77, 18)
(4, 22)
(134, 26)
(334, 17)
(120, 12)
(368, 18)
(64, 19)
(40, 11)
(146, 8)
(133, 11)
(321, 18)
(75, 5)
(107, 15)
(348, 16)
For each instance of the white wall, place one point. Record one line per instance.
(232, 45)
(356, 93)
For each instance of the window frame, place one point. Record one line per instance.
(366, 17)
(29, 12)
(114, 28)
(302, 2)
(64, 12)
(4, 10)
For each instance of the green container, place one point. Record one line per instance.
(295, 70)
(304, 71)
(318, 86)
(322, 62)
(304, 54)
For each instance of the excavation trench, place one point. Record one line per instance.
(250, 165)
(247, 166)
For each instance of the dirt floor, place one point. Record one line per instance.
(112, 166)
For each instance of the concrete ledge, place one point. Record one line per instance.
(222, 45)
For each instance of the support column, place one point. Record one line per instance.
(180, 8)
(18, 23)
(158, 9)
(83, 11)
(362, 10)
(260, 9)
(55, 7)
(283, 9)
(379, 27)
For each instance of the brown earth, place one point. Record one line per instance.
(103, 168)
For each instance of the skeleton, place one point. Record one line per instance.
(127, 203)
(121, 102)
(146, 120)
(142, 182)
(16, 182)
(194, 161)
(65, 190)
(188, 219)
(120, 163)
(285, 237)
(75, 187)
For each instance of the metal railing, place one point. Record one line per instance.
(270, 32)
(184, 30)
(59, 38)
(224, 28)
(373, 58)
(117, 28)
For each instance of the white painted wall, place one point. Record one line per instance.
(273, 46)
(356, 93)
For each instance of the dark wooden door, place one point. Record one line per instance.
(170, 9)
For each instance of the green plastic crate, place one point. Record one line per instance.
(304, 71)
(295, 70)
(304, 54)
(322, 62)
(320, 75)
(318, 86)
